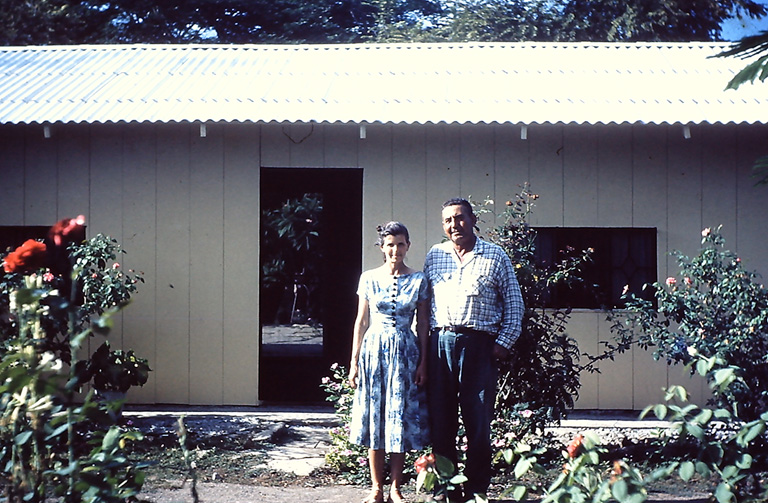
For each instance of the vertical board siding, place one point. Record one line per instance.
(172, 284)
(40, 177)
(186, 209)
(12, 167)
(139, 238)
(410, 188)
(240, 351)
(206, 282)
(546, 173)
(580, 177)
(378, 188)
(511, 164)
(73, 152)
(614, 179)
(442, 165)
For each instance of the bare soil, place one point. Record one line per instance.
(229, 463)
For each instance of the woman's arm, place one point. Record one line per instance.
(361, 325)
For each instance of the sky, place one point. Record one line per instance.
(736, 29)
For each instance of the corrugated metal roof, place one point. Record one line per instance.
(409, 83)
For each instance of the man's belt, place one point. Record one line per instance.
(462, 330)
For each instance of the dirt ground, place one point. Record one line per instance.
(261, 459)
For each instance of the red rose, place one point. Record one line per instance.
(27, 257)
(424, 462)
(69, 230)
(574, 448)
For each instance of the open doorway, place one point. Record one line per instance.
(310, 261)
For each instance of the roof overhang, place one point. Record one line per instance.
(522, 83)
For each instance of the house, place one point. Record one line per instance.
(177, 151)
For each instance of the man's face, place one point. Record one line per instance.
(458, 225)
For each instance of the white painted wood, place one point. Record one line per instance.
(206, 280)
(12, 166)
(378, 185)
(186, 210)
(614, 183)
(580, 176)
(443, 166)
(73, 170)
(616, 378)
(173, 263)
(582, 327)
(140, 241)
(546, 173)
(241, 273)
(410, 188)
(41, 181)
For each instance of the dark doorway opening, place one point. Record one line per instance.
(311, 221)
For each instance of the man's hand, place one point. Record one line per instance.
(500, 352)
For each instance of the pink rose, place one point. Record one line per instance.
(671, 281)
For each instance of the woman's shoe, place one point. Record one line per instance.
(395, 496)
(376, 496)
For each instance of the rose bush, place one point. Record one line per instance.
(56, 443)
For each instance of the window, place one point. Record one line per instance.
(13, 236)
(622, 257)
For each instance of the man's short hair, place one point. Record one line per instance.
(459, 201)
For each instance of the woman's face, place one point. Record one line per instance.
(394, 249)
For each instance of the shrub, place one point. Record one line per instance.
(540, 384)
(713, 308)
(54, 296)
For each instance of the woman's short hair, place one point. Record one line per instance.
(391, 229)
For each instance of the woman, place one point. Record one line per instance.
(389, 410)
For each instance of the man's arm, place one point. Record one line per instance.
(513, 308)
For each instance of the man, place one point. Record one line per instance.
(477, 310)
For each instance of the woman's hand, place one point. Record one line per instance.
(353, 376)
(420, 378)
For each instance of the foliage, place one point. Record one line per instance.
(437, 474)
(353, 21)
(290, 237)
(587, 475)
(722, 445)
(650, 21)
(748, 47)
(50, 445)
(116, 370)
(716, 310)
(343, 456)
(543, 376)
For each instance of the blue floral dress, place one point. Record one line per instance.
(389, 410)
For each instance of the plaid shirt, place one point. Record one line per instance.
(481, 293)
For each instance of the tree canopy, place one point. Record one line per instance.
(45, 22)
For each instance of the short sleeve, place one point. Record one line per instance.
(362, 287)
(423, 288)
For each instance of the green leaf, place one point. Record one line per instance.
(458, 479)
(730, 471)
(425, 480)
(723, 493)
(687, 469)
(744, 461)
(723, 377)
(522, 467)
(660, 411)
(22, 438)
(444, 466)
(702, 367)
(111, 439)
(619, 489)
(519, 493)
